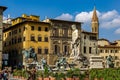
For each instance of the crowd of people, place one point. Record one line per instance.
(5, 74)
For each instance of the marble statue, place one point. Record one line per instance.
(74, 33)
(109, 62)
(75, 49)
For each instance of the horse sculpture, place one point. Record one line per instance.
(29, 54)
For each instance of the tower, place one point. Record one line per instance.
(1, 32)
(95, 23)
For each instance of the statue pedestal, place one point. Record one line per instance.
(96, 62)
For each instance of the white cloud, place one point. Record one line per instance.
(117, 31)
(108, 19)
(65, 16)
(4, 18)
(109, 15)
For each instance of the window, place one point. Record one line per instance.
(32, 38)
(46, 39)
(19, 30)
(116, 51)
(65, 50)
(46, 51)
(0, 37)
(24, 28)
(84, 36)
(84, 49)
(15, 40)
(106, 51)
(39, 38)
(32, 27)
(5, 44)
(90, 50)
(55, 49)
(39, 51)
(101, 51)
(15, 31)
(12, 41)
(46, 29)
(39, 28)
(9, 33)
(19, 39)
(65, 30)
(9, 42)
(23, 38)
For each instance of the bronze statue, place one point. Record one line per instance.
(29, 54)
(109, 62)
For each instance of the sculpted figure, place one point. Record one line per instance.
(109, 62)
(74, 38)
(74, 33)
(29, 54)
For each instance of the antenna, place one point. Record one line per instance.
(94, 3)
(8, 16)
(46, 17)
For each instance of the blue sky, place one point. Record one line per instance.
(76, 10)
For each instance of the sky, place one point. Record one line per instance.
(108, 12)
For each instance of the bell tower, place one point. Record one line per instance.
(95, 23)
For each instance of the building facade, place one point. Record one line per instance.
(26, 32)
(107, 48)
(89, 44)
(48, 39)
(61, 37)
(2, 9)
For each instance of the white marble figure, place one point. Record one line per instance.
(73, 43)
(74, 33)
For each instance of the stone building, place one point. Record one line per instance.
(61, 36)
(107, 48)
(2, 9)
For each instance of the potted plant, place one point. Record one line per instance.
(76, 74)
(52, 76)
(24, 74)
(39, 75)
(69, 75)
(46, 74)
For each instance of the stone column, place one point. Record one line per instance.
(1, 32)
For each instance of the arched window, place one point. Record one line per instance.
(65, 49)
(56, 49)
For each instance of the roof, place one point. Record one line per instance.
(109, 46)
(25, 22)
(94, 17)
(4, 8)
(65, 21)
(87, 32)
(103, 39)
